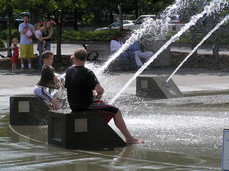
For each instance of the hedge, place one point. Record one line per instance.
(107, 35)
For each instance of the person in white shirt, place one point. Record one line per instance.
(139, 54)
(115, 44)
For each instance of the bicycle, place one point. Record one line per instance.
(91, 56)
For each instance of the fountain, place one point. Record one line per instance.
(157, 87)
(198, 45)
(181, 134)
(212, 7)
(158, 26)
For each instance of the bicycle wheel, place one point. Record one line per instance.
(92, 56)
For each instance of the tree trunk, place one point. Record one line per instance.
(9, 29)
(33, 17)
(120, 17)
(194, 41)
(136, 8)
(75, 19)
(58, 45)
(216, 44)
(111, 17)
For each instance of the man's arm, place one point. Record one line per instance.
(22, 29)
(99, 90)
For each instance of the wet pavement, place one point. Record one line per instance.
(180, 133)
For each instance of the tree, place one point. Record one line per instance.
(7, 8)
(54, 10)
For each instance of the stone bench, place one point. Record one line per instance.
(28, 110)
(81, 130)
(155, 86)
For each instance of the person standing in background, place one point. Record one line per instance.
(14, 59)
(26, 43)
(39, 36)
(47, 32)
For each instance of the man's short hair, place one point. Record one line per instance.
(46, 54)
(80, 54)
(25, 15)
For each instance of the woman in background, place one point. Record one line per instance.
(47, 32)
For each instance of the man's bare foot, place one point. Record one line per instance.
(134, 141)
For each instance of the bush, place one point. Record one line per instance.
(15, 33)
(2, 43)
(103, 35)
(186, 38)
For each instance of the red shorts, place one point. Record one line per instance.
(14, 59)
(106, 111)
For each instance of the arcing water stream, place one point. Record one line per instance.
(214, 5)
(158, 26)
(198, 45)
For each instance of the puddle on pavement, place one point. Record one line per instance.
(180, 134)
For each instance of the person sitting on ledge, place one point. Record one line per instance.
(84, 93)
(48, 80)
(126, 56)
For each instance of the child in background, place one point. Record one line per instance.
(72, 59)
(29, 33)
(48, 80)
(14, 58)
(39, 36)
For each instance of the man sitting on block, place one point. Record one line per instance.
(84, 93)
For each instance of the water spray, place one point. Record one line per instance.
(159, 26)
(208, 9)
(197, 46)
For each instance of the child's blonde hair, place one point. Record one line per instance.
(14, 39)
(36, 26)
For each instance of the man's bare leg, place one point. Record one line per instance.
(29, 63)
(22, 64)
(120, 123)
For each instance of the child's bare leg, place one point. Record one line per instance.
(55, 104)
(43, 45)
(120, 123)
(43, 48)
(14, 66)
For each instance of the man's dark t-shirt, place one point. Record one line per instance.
(80, 83)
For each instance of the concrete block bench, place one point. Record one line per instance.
(150, 86)
(81, 130)
(28, 110)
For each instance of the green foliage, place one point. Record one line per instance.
(2, 43)
(187, 39)
(87, 19)
(103, 35)
(15, 33)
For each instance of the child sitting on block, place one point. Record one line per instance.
(48, 80)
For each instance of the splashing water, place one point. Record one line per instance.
(197, 46)
(214, 5)
(61, 94)
(156, 28)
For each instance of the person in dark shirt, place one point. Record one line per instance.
(48, 80)
(84, 93)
